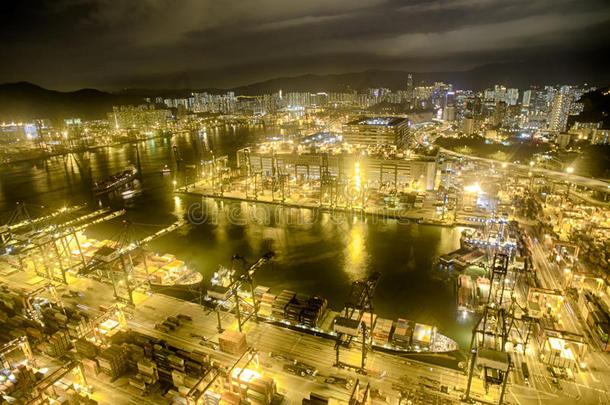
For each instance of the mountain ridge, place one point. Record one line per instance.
(25, 100)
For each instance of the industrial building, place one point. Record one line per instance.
(400, 170)
(378, 131)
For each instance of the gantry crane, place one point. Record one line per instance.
(53, 247)
(488, 344)
(210, 380)
(20, 218)
(116, 261)
(239, 280)
(350, 324)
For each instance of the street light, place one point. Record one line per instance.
(570, 169)
(531, 163)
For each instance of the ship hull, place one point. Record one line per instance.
(187, 292)
(116, 185)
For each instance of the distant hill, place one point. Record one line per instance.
(596, 108)
(23, 101)
(519, 75)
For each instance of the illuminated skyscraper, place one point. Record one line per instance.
(512, 96)
(558, 116)
(410, 87)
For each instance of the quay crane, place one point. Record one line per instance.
(350, 324)
(116, 262)
(20, 218)
(492, 332)
(54, 247)
(237, 281)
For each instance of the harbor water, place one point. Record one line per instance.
(316, 252)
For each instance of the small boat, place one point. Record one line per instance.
(128, 193)
(115, 181)
(165, 170)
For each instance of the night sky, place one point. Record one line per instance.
(111, 44)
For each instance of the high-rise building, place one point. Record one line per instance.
(499, 93)
(558, 116)
(499, 113)
(468, 125)
(527, 98)
(449, 113)
(140, 117)
(409, 87)
(512, 96)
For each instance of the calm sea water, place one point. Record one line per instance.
(316, 253)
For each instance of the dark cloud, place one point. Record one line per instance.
(210, 43)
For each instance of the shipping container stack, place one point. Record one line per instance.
(292, 312)
(57, 344)
(211, 398)
(366, 320)
(18, 382)
(254, 388)
(402, 333)
(312, 313)
(265, 307)
(281, 302)
(145, 377)
(76, 322)
(64, 393)
(14, 300)
(259, 291)
(113, 362)
(86, 349)
(232, 342)
(150, 361)
(160, 357)
(381, 332)
(90, 367)
(133, 354)
(13, 323)
(195, 362)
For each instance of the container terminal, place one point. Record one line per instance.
(111, 321)
(64, 343)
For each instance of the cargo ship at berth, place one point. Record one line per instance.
(165, 273)
(115, 181)
(311, 314)
(171, 277)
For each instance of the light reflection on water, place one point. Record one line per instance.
(316, 252)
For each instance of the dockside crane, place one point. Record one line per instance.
(490, 335)
(116, 262)
(350, 325)
(246, 278)
(21, 219)
(53, 247)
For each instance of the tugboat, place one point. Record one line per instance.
(115, 181)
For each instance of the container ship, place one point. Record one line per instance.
(465, 293)
(115, 181)
(312, 314)
(165, 273)
(170, 276)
